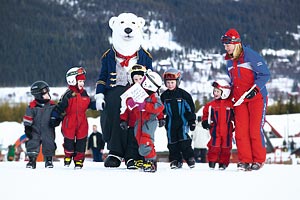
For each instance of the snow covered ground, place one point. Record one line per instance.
(94, 181)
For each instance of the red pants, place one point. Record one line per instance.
(249, 122)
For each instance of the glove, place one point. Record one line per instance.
(100, 103)
(161, 123)
(205, 124)
(124, 125)
(54, 122)
(192, 126)
(28, 132)
(252, 93)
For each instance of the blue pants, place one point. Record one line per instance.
(97, 155)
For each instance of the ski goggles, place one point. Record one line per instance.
(138, 67)
(217, 85)
(171, 76)
(229, 40)
(79, 71)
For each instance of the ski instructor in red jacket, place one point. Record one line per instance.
(247, 69)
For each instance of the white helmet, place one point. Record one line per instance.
(224, 86)
(73, 73)
(152, 81)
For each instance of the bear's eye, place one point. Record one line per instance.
(122, 22)
(133, 22)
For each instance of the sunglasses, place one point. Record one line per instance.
(227, 40)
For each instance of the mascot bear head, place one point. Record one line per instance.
(126, 33)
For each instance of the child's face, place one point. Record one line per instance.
(46, 96)
(137, 78)
(80, 84)
(217, 93)
(171, 84)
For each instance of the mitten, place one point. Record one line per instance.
(124, 125)
(28, 132)
(130, 103)
(205, 124)
(252, 93)
(100, 103)
(54, 122)
(161, 123)
(141, 106)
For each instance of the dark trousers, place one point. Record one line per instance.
(97, 155)
(200, 155)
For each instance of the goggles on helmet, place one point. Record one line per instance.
(171, 76)
(227, 40)
(217, 85)
(138, 68)
(79, 71)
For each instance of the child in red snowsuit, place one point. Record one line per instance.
(72, 109)
(128, 119)
(143, 117)
(218, 118)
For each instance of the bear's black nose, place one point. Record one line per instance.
(128, 30)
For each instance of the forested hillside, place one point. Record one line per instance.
(40, 39)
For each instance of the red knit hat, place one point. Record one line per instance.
(80, 77)
(231, 37)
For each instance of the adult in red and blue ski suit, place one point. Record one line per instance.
(246, 68)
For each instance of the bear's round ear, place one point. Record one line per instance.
(111, 22)
(141, 22)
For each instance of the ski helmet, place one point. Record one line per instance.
(38, 89)
(137, 70)
(152, 81)
(74, 74)
(231, 37)
(224, 86)
(172, 74)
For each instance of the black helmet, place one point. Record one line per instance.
(38, 89)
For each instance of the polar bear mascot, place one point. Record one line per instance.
(114, 79)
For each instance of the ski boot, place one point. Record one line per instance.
(175, 164)
(244, 166)
(222, 166)
(191, 162)
(32, 163)
(48, 162)
(256, 166)
(78, 164)
(150, 166)
(130, 164)
(211, 165)
(67, 161)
